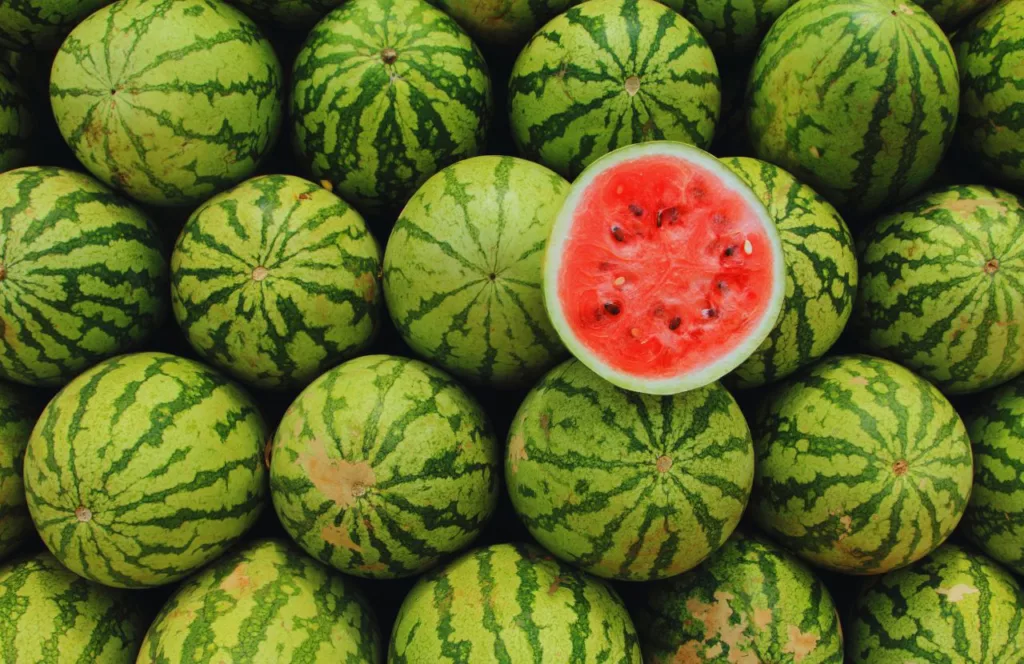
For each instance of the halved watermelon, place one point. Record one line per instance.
(664, 271)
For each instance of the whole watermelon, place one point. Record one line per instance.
(733, 28)
(41, 24)
(17, 415)
(165, 458)
(951, 13)
(502, 23)
(15, 120)
(289, 14)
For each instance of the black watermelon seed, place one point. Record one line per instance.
(710, 312)
(612, 308)
(636, 210)
(675, 323)
(671, 215)
(729, 251)
(618, 234)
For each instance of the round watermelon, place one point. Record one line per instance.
(503, 23)
(15, 120)
(275, 281)
(462, 270)
(82, 275)
(169, 102)
(264, 603)
(145, 468)
(16, 419)
(289, 14)
(941, 287)
(378, 127)
(951, 13)
(862, 466)
(382, 466)
(625, 485)
(856, 98)
(733, 28)
(41, 24)
(512, 603)
(610, 73)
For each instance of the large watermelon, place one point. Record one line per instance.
(292, 14)
(734, 28)
(145, 468)
(168, 101)
(502, 23)
(82, 275)
(378, 127)
(857, 98)
(609, 73)
(951, 13)
(15, 120)
(512, 603)
(941, 287)
(382, 466)
(862, 466)
(16, 419)
(462, 270)
(266, 603)
(41, 24)
(625, 485)
(275, 281)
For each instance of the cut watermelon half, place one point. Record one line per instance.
(664, 271)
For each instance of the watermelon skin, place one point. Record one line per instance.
(361, 130)
(862, 466)
(901, 70)
(610, 73)
(17, 416)
(382, 466)
(462, 270)
(138, 103)
(502, 22)
(275, 281)
(952, 13)
(512, 603)
(15, 121)
(733, 28)
(262, 604)
(56, 226)
(953, 606)
(288, 14)
(145, 468)
(821, 274)
(660, 484)
(41, 24)
(940, 287)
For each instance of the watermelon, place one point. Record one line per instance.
(664, 271)
(502, 23)
(289, 14)
(41, 24)
(821, 274)
(870, 102)
(953, 606)
(275, 281)
(382, 466)
(951, 13)
(17, 416)
(82, 275)
(941, 287)
(733, 28)
(862, 466)
(512, 603)
(661, 487)
(750, 602)
(462, 270)
(145, 468)
(51, 615)
(387, 123)
(136, 97)
(262, 604)
(15, 120)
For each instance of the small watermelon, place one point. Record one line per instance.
(951, 13)
(15, 120)
(16, 419)
(862, 466)
(512, 603)
(41, 24)
(502, 23)
(290, 14)
(378, 127)
(625, 485)
(462, 270)
(136, 97)
(382, 466)
(610, 73)
(82, 275)
(953, 606)
(664, 271)
(734, 28)
(275, 281)
(165, 458)
(941, 287)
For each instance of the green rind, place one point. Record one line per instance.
(862, 467)
(15, 121)
(733, 28)
(502, 23)
(951, 13)
(462, 270)
(289, 14)
(16, 419)
(41, 24)
(145, 468)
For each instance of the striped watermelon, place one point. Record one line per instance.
(41, 24)
(378, 127)
(862, 467)
(291, 14)
(951, 13)
(609, 73)
(870, 103)
(512, 603)
(821, 274)
(502, 22)
(82, 275)
(145, 468)
(734, 28)
(263, 604)
(137, 100)
(941, 287)
(16, 419)
(382, 466)
(275, 281)
(15, 120)
(953, 606)
(462, 270)
(626, 485)
(750, 602)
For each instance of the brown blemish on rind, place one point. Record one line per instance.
(337, 479)
(517, 451)
(545, 424)
(259, 273)
(663, 464)
(389, 56)
(991, 267)
(268, 452)
(3, 271)
(716, 618)
(238, 581)
(900, 467)
(968, 206)
(762, 618)
(368, 285)
(800, 645)
(957, 592)
(632, 85)
(83, 514)
(340, 537)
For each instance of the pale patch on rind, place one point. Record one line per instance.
(339, 480)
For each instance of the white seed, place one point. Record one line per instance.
(619, 281)
(748, 248)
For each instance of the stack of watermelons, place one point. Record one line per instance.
(512, 331)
